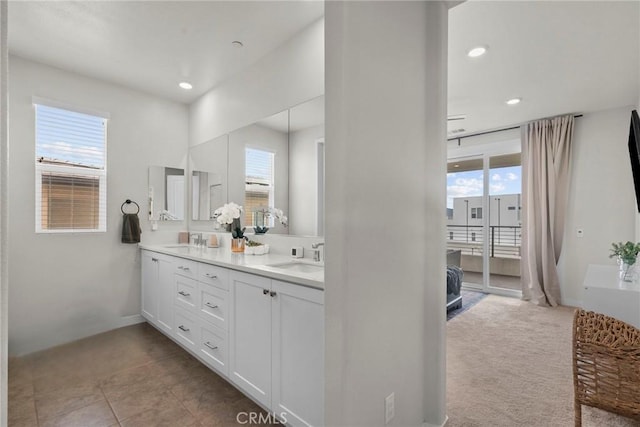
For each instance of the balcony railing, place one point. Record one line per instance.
(504, 240)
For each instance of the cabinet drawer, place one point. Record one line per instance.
(186, 268)
(213, 347)
(214, 275)
(213, 305)
(186, 329)
(186, 293)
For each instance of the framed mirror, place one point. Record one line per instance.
(166, 193)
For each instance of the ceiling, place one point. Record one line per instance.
(559, 57)
(153, 45)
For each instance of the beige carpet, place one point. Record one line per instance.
(509, 364)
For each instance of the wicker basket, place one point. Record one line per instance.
(606, 365)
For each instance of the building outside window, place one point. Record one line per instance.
(259, 187)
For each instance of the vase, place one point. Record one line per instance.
(625, 271)
(237, 245)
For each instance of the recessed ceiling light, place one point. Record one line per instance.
(477, 51)
(237, 44)
(185, 85)
(514, 101)
(456, 166)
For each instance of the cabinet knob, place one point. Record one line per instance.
(182, 328)
(272, 293)
(265, 292)
(208, 304)
(184, 294)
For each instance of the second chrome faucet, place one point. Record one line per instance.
(316, 250)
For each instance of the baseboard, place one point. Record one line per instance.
(130, 320)
(571, 302)
(446, 419)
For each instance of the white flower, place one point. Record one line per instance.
(227, 213)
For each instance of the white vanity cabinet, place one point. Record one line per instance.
(157, 290)
(264, 335)
(297, 356)
(276, 343)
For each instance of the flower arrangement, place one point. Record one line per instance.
(275, 213)
(229, 215)
(627, 252)
(279, 215)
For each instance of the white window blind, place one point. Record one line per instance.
(259, 176)
(71, 172)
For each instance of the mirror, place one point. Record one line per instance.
(209, 186)
(276, 162)
(306, 168)
(259, 169)
(166, 193)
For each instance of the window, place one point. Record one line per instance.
(476, 213)
(259, 189)
(71, 173)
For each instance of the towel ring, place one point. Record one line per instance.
(128, 202)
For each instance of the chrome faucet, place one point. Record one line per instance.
(316, 250)
(198, 240)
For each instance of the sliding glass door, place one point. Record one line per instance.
(484, 219)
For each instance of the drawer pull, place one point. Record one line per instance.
(182, 328)
(208, 304)
(184, 294)
(211, 346)
(211, 276)
(154, 259)
(181, 267)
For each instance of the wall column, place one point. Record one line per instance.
(4, 161)
(385, 283)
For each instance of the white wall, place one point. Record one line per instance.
(386, 166)
(291, 74)
(601, 197)
(67, 286)
(303, 181)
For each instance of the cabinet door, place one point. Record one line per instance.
(149, 279)
(298, 354)
(165, 294)
(250, 335)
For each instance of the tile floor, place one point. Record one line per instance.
(132, 377)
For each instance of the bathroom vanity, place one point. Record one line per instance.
(258, 321)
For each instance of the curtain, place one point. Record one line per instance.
(546, 153)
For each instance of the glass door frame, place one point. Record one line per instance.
(486, 155)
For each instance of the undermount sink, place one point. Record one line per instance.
(299, 267)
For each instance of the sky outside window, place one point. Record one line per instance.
(507, 180)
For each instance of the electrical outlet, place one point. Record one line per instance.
(389, 408)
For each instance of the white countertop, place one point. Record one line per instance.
(254, 264)
(607, 277)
